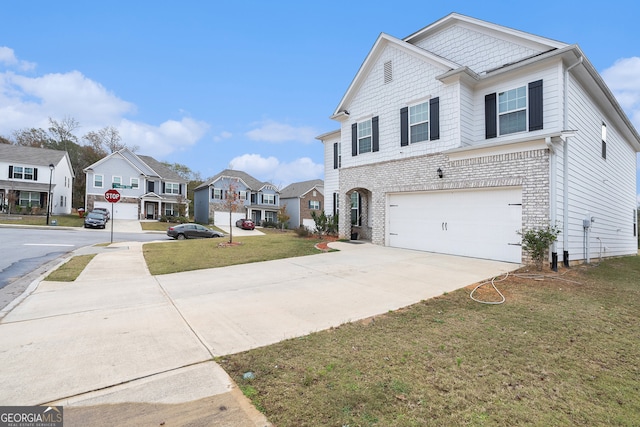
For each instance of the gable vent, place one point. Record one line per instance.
(388, 72)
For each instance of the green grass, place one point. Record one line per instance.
(175, 256)
(69, 271)
(61, 220)
(556, 353)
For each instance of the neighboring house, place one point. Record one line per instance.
(27, 174)
(300, 199)
(460, 135)
(148, 189)
(259, 201)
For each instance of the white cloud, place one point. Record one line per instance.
(272, 170)
(222, 135)
(160, 141)
(623, 78)
(27, 102)
(9, 59)
(30, 101)
(271, 131)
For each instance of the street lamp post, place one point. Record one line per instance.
(51, 167)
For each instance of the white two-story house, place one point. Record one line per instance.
(464, 133)
(32, 179)
(148, 189)
(253, 199)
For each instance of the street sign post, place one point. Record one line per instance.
(112, 196)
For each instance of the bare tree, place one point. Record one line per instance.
(231, 202)
(31, 137)
(62, 131)
(106, 140)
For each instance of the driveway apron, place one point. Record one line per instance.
(118, 334)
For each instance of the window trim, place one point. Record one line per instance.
(524, 109)
(362, 137)
(137, 183)
(314, 205)
(95, 181)
(168, 185)
(114, 179)
(426, 122)
(604, 141)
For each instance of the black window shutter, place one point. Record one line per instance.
(490, 119)
(376, 136)
(150, 186)
(335, 155)
(354, 139)
(404, 126)
(434, 119)
(10, 172)
(163, 188)
(181, 186)
(35, 174)
(535, 105)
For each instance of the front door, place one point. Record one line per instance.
(150, 210)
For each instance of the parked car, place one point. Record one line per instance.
(95, 220)
(245, 224)
(192, 231)
(103, 211)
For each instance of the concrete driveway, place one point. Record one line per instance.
(118, 334)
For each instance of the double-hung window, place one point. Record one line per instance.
(216, 194)
(98, 180)
(116, 182)
(135, 183)
(314, 205)
(512, 110)
(28, 173)
(419, 122)
(17, 172)
(364, 136)
(172, 188)
(269, 199)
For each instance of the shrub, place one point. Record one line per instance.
(536, 242)
(269, 224)
(302, 231)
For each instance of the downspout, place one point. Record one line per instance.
(565, 169)
(552, 196)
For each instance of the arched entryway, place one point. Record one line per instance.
(358, 224)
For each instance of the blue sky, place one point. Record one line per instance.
(248, 84)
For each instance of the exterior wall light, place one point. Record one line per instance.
(440, 174)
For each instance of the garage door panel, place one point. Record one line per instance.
(121, 210)
(476, 223)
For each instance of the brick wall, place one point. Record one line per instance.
(527, 169)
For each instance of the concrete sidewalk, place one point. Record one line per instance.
(119, 335)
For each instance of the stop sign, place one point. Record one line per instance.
(112, 196)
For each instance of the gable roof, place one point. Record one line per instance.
(408, 45)
(248, 180)
(299, 189)
(33, 155)
(381, 43)
(528, 39)
(146, 165)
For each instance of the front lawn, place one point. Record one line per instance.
(185, 255)
(559, 352)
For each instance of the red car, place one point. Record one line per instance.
(245, 224)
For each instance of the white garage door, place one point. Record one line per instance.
(120, 210)
(475, 223)
(222, 218)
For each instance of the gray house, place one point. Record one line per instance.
(148, 189)
(300, 199)
(259, 201)
(465, 132)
